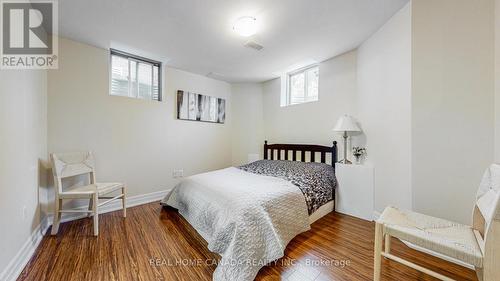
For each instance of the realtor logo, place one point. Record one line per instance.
(28, 34)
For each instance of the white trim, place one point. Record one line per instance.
(17, 264)
(289, 81)
(113, 206)
(23, 256)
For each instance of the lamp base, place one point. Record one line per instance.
(344, 161)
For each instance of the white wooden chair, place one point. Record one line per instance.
(65, 165)
(478, 245)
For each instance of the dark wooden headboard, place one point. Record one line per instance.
(304, 150)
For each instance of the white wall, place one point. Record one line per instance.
(23, 150)
(497, 81)
(384, 108)
(313, 122)
(247, 121)
(135, 141)
(452, 104)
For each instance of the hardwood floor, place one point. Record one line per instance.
(158, 244)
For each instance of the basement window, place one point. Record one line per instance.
(135, 77)
(302, 85)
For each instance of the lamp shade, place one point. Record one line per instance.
(346, 124)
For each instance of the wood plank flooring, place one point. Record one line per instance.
(158, 244)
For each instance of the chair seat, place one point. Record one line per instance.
(100, 188)
(448, 238)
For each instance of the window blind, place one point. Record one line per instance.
(134, 76)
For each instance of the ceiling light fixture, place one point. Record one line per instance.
(246, 26)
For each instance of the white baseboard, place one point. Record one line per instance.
(112, 206)
(17, 264)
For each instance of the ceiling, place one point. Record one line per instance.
(197, 35)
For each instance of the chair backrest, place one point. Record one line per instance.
(487, 199)
(65, 165)
(486, 221)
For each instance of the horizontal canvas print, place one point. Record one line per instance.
(191, 106)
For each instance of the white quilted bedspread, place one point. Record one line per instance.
(246, 218)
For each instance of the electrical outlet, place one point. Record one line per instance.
(178, 173)
(24, 212)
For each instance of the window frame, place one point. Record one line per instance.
(289, 84)
(137, 59)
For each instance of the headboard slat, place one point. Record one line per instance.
(303, 149)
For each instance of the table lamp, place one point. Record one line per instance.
(346, 125)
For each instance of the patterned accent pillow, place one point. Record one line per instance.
(315, 180)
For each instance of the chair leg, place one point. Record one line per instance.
(91, 206)
(124, 202)
(387, 244)
(379, 237)
(57, 216)
(96, 213)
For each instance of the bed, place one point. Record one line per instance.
(248, 214)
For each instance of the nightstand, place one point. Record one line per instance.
(354, 192)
